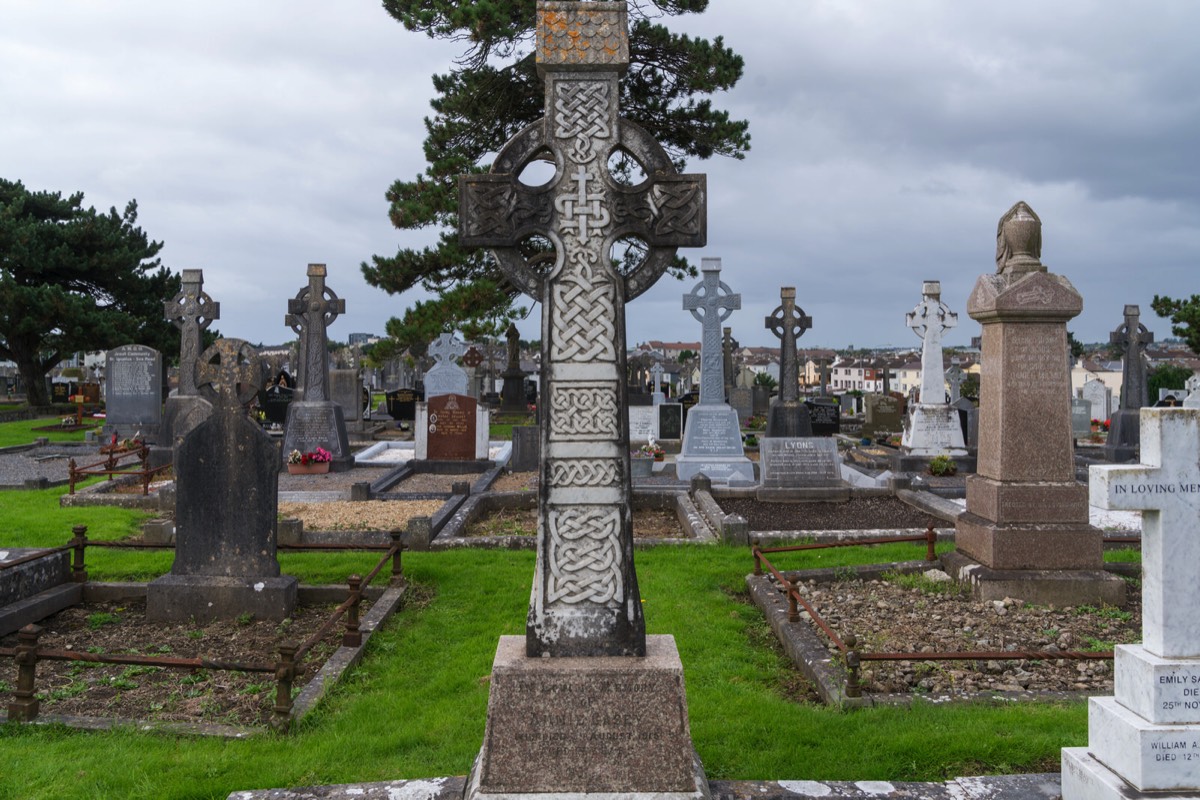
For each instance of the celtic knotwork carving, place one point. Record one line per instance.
(584, 472)
(583, 411)
(583, 316)
(676, 208)
(583, 109)
(582, 213)
(490, 210)
(584, 556)
(229, 372)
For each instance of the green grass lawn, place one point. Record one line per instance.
(22, 431)
(417, 706)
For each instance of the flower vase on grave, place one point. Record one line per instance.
(316, 468)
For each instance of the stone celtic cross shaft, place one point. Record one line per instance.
(585, 599)
(955, 377)
(929, 320)
(788, 325)
(656, 373)
(1133, 337)
(711, 302)
(192, 311)
(310, 313)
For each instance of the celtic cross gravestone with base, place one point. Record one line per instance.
(1146, 738)
(788, 416)
(712, 439)
(933, 426)
(227, 473)
(1132, 337)
(559, 719)
(1025, 532)
(192, 311)
(315, 420)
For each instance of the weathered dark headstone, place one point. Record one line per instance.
(526, 448)
(345, 389)
(1132, 337)
(1081, 418)
(274, 401)
(810, 461)
(825, 417)
(883, 416)
(760, 400)
(512, 395)
(315, 420)
(133, 396)
(741, 400)
(788, 417)
(670, 422)
(402, 403)
(227, 474)
(451, 428)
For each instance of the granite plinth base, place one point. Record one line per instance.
(712, 445)
(719, 469)
(1028, 545)
(934, 430)
(203, 598)
(593, 727)
(1085, 778)
(1015, 502)
(789, 420)
(1064, 587)
(1124, 436)
(814, 494)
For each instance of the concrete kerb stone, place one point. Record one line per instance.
(784, 538)
(931, 504)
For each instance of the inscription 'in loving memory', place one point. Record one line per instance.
(1157, 488)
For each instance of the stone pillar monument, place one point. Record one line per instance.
(657, 396)
(788, 417)
(192, 311)
(1146, 738)
(1132, 336)
(933, 427)
(712, 440)
(559, 716)
(1025, 532)
(512, 395)
(315, 420)
(728, 344)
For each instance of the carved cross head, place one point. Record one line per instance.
(229, 373)
(446, 347)
(192, 304)
(785, 317)
(315, 306)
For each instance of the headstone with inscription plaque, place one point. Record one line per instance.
(712, 439)
(641, 423)
(801, 469)
(1099, 397)
(1025, 532)
(346, 389)
(1081, 418)
(133, 392)
(450, 429)
(1146, 738)
(559, 716)
(883, 416)
(670, 422)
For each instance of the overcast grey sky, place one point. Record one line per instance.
(888, 138)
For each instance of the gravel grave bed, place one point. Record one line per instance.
(330, 481)
(48, 461)
(515, 482)
(897, 616)
(647, 524)
(860, 513)
(371, 515)
(431, 483)
(160, 694)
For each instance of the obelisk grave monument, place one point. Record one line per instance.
(560, 718)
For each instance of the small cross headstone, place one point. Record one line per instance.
(445, 376)
(227, 477)
(711, 302)
(1147, 734)
(310, 313)
(788, 417)
(933, 428)
(1132, 337)
(954, 378)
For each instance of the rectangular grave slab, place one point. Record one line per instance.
(451, 428)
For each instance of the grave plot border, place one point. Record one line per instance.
(287, 709)
(37, 484)
(450, 535)
(835, 678)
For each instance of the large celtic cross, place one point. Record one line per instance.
(1133, 337)
(310, 313)
(445, 348)
(929, 320)
(192, 311)
(711, 302)
(585, 599)
(955, 377)
(229, 372)
(788, 326)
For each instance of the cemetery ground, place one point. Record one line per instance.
(416, 706)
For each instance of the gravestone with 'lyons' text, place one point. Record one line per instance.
(133, 392)
(315, 420)
(226, 506)
(559, 717)
(1147, 736)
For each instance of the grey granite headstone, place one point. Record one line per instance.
(446, 377)
(790, 463)
(1132, 337)
(316, 421)
(346, 389)
(226, 507)
(526, 448)
(133, 394)
(741, 399)
(760, 402)
(1099, 396)
(712, 439)
(883, 416)
(1081, 418)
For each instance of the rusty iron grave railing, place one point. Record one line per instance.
(112, 466)
(25, 704)
(848, 646)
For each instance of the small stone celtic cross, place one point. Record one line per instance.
(192, 311)
(788, 325)
(310, 313)
(229, 373)
(445, 348)
(711, 302)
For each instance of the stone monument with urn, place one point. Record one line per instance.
(1025, 533)
(559, 716)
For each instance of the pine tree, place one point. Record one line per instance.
(1184, 316)
(72, 279)
(493, 93)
